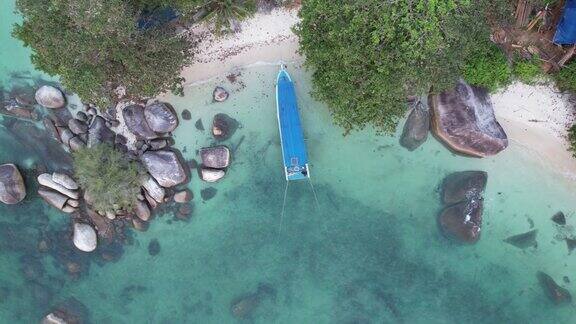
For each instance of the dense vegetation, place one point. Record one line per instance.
(368, 56)
(108, 177)
(96, 46)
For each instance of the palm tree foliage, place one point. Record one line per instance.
(225, 13)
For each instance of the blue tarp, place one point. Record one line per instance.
(292, 138)
(566, 30)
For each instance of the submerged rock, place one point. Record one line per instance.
(524, 240)
(186, 115)
(220, 94)
(12, 189)
(462, 221)
(224, 126)
(165, 167)
(463, 118)
(571, 244)
(50, 97)
(199, 125)
(217, 157)
(555, 293)
(161, 117)
(154, 247)
(460, 186)
(183, 196)
(559, 218)
(244, 306)
(136, 122)
(208, 193)
(142, 210)
(416, 127)
(84, 237)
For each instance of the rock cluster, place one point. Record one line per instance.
(215, 160)
(60, 191)
(461, 218)
(12, 189)
(151, 121)
(464, 120)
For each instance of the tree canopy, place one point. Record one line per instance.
(94, 46)
(368, 56)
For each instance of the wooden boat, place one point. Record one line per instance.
(291, 135)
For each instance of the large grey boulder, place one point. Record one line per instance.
(161, 117)
(460, 186)
(217, 157)
(84, 237)
(153, 190)
(464, 120)
(142, 210)
(64, 180)
(50, 97)
(54, 198)
(136, 122)
(45, 179)
(164, 167)
(416, 127)
(463, 221)
(12, 189)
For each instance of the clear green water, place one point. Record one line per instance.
(370, 252)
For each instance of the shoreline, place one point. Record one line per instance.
(535, 117)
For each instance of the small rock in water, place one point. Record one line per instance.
(566, 279)
(459, 186)
(555, 293)
(462, 221)
(220, 94)
(224, 126)
(183, 196)
(186, 115)
(208, 193)
(50, 97)
(571, 244)
(12, 189)
(416, 127)
(524, 240)
(184, 212)
(212, 175)
(199, 125)
(559, 218)
(84, 237)
(217, 157)
(154, 247)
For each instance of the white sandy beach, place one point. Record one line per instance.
(534, 117)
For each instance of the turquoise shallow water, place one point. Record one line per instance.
(369, 252)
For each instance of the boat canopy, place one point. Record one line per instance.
(291, 135)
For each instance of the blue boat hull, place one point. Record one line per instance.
(291, 134)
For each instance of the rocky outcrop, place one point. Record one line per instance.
(217, 157)
(416, 127)
(464, 120)
(524, 240)
(220, 94)
(460, 186)
(50, 97)
(224, 126)
(165, 167)
(212, 175)
(56, 190)
(136, 122)
(461, 218)
(555, 293)
(12, 189)
(84, 237)
(161, 117)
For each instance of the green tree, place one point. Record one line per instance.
(224, 13)
(109, 178)
(367, 56)
(94, 46)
